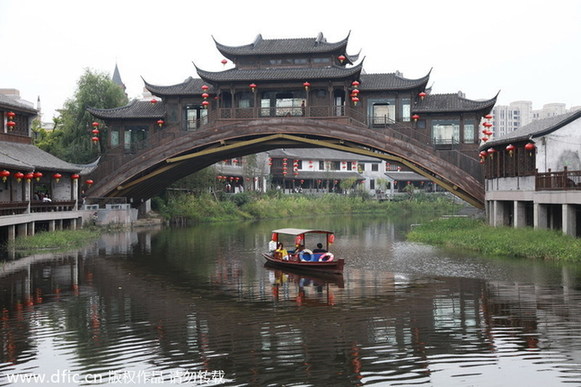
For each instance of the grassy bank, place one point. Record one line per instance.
(475, 235)
(60, 240)
(246, 206)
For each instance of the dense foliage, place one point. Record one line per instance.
(60, 240)
(476, 235)
(71, 138)
(254, 205)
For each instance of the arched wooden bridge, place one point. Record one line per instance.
(174, 154)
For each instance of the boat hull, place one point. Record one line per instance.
(335, 267)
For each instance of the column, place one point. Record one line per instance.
(540, 216)
(569, 226)
(519, 219)
(51, 225)
(11, 232)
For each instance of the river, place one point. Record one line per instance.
(197, 306)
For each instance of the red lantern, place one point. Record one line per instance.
(252, 87)
(205, 104)
(224, 61)
(341, 58)
(484, 139)
(18, 176)
(95, 124)
(487, 124)
(4, 175)
(11, 124)
(204, 87)
(355, 92)
(510, 149)
(37, 175)
(95, 139)
(488, 116)
(355, 84)
(355, 100)
(10, 115)
(153, 100)
(89, 182)
(331, 238)
(530, 147)
(75, 176)
(29, 176)
(422, 95)
(205, 95)
(306, 85)
(160, 122)
(95, 132)
(416, 117)
(491, 152)
(57, 176)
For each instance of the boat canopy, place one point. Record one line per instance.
(299, 231)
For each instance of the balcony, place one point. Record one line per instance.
(558, 181)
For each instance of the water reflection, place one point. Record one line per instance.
(201, 299)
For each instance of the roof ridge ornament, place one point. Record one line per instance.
(257, 40)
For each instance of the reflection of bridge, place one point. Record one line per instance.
(177, 154)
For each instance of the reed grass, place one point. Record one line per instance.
(60, 240)
(476, 235)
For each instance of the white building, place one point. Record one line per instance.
(533, 175)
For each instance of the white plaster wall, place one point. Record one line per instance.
(519, 183)
(560, 148)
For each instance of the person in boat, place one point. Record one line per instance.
(281, 252)
(319, 248)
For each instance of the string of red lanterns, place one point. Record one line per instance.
(11, 124)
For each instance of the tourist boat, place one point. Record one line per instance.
(309, 250)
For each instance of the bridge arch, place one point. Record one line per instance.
(174, 157)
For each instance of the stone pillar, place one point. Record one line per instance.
(11, 232)
(31, 228)
(497, 214)
(519, 217)
(569, 226)
(540, 216)
(51, 225)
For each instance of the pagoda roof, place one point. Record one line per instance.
(455, 102)
(135, 109)
(281, 74)
(188, 87)
(27, 157)
(262, 46)
(391, 81)
(536, 129)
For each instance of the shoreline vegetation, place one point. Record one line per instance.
(476, 236)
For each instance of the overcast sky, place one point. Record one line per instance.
(529, 50)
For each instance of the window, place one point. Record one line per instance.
(301, 61)
(335, 166)
(114, 138)
(405, 109)
(446, 132)
(375, 167)
(195, 117)
(371, 184)
(321, 165)
(383, 113)
(469, 132)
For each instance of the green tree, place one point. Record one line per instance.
(71, 138)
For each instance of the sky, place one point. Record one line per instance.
(526, 49)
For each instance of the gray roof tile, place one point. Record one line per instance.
(135, 109)
(391, 81)
(439, 103)
(536, 128)
(29, 157)
(283, 46)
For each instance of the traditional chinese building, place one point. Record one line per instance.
(533, 175)
(305, 77)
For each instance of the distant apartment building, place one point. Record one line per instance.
(508, 118)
